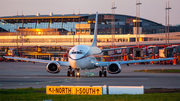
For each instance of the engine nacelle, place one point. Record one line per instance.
(53, 67)
(114, 68)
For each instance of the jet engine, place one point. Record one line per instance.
(53, 67)
(114, 68)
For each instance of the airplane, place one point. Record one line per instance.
(81, 57)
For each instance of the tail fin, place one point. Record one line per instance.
(95, 31)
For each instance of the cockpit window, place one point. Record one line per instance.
(73, 52)
(79, 52)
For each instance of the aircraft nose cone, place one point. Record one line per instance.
(76, 56)
(75, 64)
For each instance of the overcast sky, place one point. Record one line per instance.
(150, 9)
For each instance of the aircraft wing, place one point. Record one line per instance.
(146, 60)
(111, 49)
(100, 63)
(37, 60)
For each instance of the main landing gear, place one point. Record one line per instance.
(70, 71)
(103, 71)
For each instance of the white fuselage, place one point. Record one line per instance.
(80, 56)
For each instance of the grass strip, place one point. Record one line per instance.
(32, 94)
(159, 70)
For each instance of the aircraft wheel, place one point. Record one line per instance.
(105, 74)
(73, 73)
(100, 73)
(68, 73)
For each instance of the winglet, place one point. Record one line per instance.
(95, 31)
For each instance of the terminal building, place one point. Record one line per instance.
(83, 23)
(42, 36)
(74, 29)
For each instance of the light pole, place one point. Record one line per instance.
(113, 24)
(22, 34)
(79, 29)
(137, 20)
(73, 27)
(17, 38)
(167, 10)
(166, 22)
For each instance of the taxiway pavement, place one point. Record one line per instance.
(27, 74)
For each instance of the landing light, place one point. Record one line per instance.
(78, 74)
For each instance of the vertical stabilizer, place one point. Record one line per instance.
(95, 31)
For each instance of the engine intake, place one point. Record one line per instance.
(53, 67)
(114, 68)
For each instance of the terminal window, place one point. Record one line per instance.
(77, 31)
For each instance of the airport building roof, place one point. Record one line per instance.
(123, 23)
(66, 18)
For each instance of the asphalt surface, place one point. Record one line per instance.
(27, 74)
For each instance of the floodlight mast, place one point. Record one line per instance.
(167, 18)
(137, 23)
(113, 23)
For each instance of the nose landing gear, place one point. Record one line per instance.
(77, 74)
(103, 71)
(71, 71)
